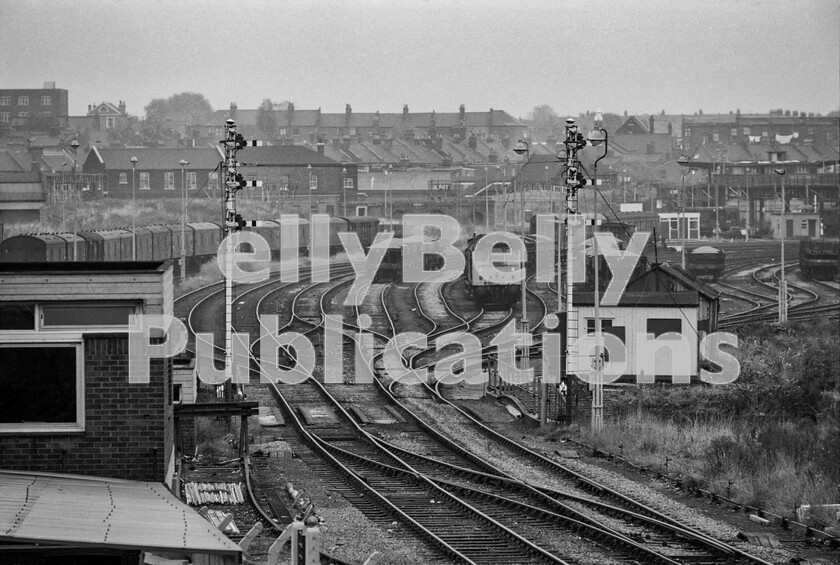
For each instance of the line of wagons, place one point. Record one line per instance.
(162, 242)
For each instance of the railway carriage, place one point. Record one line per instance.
(706, 263)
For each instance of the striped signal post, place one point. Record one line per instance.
(234, 182)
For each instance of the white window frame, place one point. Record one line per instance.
(213, 179)
(348, 182)
(144, 182)
(23, 114)
(5, 100)
(46, 100)
(168, 181)
(123, 178)
(191, 180)
(361, 210)
(40, 328)
(24, 338)
(5, 117)
(313, 182)
(23, 100)
(110, 122)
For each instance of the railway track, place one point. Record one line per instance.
(473, 500)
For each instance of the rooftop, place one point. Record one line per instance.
(111, 513)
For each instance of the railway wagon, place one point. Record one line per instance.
(365, 227)
(48, 247)
(818, 259)
(189, 239)
(163, 242)
(391, 268)
(76, 246)
(492, 294)
(706, 263)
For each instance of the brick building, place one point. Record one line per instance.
(777, 127)
(301, 178)
(157, 172)
(67, 404)
(311, 125)
(33, 108)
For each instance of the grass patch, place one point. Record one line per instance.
(769, 438)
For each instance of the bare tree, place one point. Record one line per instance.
(545, 122)
(267, 119)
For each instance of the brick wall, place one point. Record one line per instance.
(128, 427)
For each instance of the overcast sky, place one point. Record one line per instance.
(643, 56)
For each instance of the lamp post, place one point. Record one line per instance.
(783, 229)
(75, 145)
(183, 164)
(486, 203)
(597, 137)
(344, 189)
(133, 212)
(64, 197)
(684, 161)
(523, 148)
(309, 171)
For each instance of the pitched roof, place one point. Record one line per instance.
(651, 279)
(632, 126)
(20, 177)
(166, 159)
(111, 110)
(283, 155)
(76, 510)
(309, 118)
(9, 163)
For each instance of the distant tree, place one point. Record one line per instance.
(176, 112)
(545, 122)
(267, 119)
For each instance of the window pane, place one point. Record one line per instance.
(86, 314)
(659, 326)
(17, 316)
(38, 384)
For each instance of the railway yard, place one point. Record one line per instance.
(441, 471)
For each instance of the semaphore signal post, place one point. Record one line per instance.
(234, 182)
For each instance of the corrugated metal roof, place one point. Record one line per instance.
(91, 511)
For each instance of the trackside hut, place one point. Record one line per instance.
(67, 404)
(663, 299)
(157, 173)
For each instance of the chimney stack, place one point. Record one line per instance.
(462, 114)
(650, 124)
(348, 111)
(405, 112)
(320, 147)
(232, 111)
